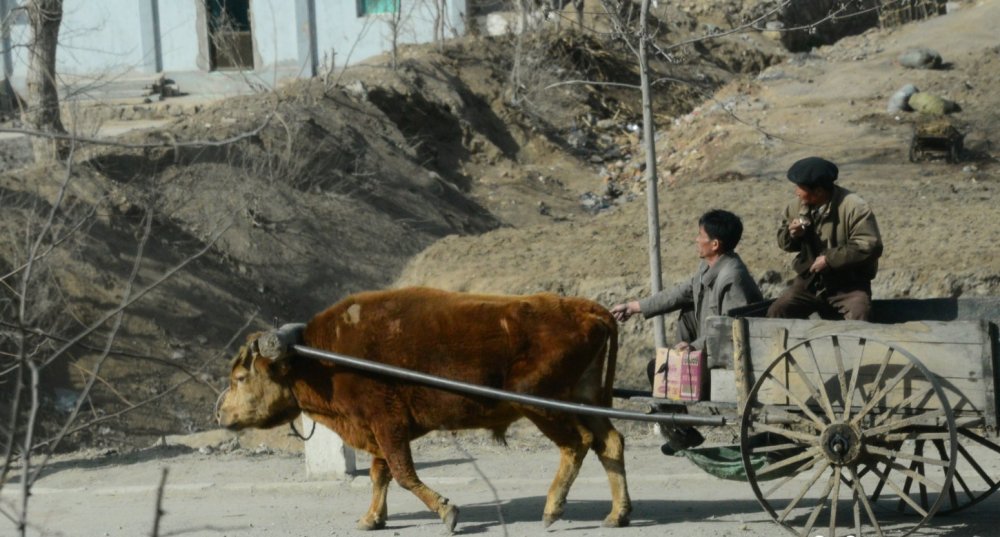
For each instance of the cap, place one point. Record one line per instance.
(813, 171)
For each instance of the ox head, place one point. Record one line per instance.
(259, 393)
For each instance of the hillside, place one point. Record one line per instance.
(437, 174)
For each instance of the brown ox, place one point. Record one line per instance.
(543, 345)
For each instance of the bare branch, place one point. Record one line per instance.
(158, 513)
(113, 143)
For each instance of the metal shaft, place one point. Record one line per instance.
(492, 393)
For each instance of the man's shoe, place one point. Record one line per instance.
(667, 450)
(680, 438)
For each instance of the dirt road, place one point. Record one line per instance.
(501, 491)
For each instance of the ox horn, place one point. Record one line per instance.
(276, 344)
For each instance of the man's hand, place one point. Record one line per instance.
(819, 265)
(683, 346)
(622, 312)
(796, 229)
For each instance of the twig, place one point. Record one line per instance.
(113, 143)
(158, 514)
(113, 352)
(156, 397)
(100, 379)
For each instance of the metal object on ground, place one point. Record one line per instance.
(936, 138)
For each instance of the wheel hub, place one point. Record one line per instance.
(841, 443)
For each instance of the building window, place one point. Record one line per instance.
(374, 7)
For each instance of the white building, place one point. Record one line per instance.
(273, 39)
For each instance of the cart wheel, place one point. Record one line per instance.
(913, 149)
(850, 421)
(972, 482)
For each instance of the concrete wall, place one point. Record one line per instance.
(276, 32)
(358, 38)
(182, 31)
(96, 38)
(108, 39)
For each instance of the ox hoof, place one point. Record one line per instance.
(548, 519)
(369, 525)
(450, 518)
(612, 521)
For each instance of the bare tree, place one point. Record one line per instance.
(42, 111)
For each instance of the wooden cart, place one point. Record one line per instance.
(860, 428)
(846, 428)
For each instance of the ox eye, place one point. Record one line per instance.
(241, 378)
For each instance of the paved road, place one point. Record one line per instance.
(501, 491)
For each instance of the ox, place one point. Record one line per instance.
(543, 345)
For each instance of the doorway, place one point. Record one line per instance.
(230, 43)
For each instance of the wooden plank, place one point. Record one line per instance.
(916, 331)
(965, 397)
(948, 361)
(951, 349)
(959, 354)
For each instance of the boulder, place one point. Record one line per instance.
(920, 58)
(899, 102)
(929, 104)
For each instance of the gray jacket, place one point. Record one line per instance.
(711, 291)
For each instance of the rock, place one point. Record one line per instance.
(899, 102)
(929, 104)
(920, 58)
(773, 30)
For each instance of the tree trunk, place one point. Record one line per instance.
(42, 112)
(652, 203)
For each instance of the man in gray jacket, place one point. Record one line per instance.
(721, 283)
(837, 244)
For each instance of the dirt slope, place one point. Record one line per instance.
(731, 152)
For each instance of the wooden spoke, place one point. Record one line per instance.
(899, 454)
(823, 465)
(825, 397)
(881, 478)
(823, 498)
(972, 461)
(806, 438)
(979, 439)
(783, 481)
(874, 399)
(952, 496)
(911, 475)
(841, 373)
(837, 476)
(811, 452)
(775, 447)
(913, 435)
(859, 495)
(927, 391)
(818, 423)
(902, 495)
(813, 390)
(920, 419)
(855, 373)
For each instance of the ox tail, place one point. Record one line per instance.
(612, 361)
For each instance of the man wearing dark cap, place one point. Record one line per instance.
(837, 244)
